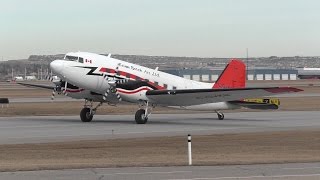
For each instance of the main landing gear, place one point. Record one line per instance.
(143, 113)
(220, 115)
(141, 116)
(88, 111)
(85, 115)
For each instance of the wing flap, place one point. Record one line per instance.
(254, 105)
(189, 97)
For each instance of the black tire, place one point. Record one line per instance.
(220, 116)
(85, 115)
(140, 117)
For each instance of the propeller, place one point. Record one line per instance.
(49, 77)
(56, 89)
(112, 90)
(58, 83)
(113, 82)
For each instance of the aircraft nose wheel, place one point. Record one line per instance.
(85, 115)
(220, 116)
(140, 117)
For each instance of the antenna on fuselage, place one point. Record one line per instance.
(109, 55)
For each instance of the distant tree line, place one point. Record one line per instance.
(35, 63)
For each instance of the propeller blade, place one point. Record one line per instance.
(118, 96)
(65, 88)
(53, 94)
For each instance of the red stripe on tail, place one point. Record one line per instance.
(233, 76)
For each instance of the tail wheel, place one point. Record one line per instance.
(140, 117)
(85, 115)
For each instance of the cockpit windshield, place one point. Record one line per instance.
(74, 58)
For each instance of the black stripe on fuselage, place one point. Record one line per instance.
(132, 85)
(91, 72)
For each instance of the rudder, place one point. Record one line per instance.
(233, 76)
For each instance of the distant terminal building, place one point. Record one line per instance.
(18, 78)
(308, 73)
(210, 75)
(30, 78)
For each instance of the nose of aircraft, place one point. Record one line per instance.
(57, 66)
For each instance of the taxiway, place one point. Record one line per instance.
(37, 129)
(308, 171)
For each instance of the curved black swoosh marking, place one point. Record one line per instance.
(112, 76)
(132, 85)
(91, 72)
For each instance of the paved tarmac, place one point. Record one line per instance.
(35, 129)
(308, 171)
(62, 98)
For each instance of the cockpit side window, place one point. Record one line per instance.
(80, 60)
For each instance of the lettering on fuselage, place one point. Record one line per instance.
(138, 69)
(123, 65)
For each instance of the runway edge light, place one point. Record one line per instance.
(189, 150)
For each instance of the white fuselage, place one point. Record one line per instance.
(94, 72)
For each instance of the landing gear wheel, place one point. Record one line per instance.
(140, 117)
(85, 115)
(220, 116)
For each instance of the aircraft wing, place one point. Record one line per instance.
(51, 87)
(188, 97)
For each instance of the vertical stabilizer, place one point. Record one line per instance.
(233, 76)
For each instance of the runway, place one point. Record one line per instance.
(68, 99)
(308, 171)
(43, 99)
(36, 129)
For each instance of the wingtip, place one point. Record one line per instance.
(296, 89)
(287, 89)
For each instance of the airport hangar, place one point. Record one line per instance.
(258, 73)
(208, 75)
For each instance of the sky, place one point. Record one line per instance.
(200, 28)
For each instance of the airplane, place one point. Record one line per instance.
(103, 79)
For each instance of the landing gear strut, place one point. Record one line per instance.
(220, 115)
(88, 111)
(143, 113)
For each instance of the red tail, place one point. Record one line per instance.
(233, 76)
